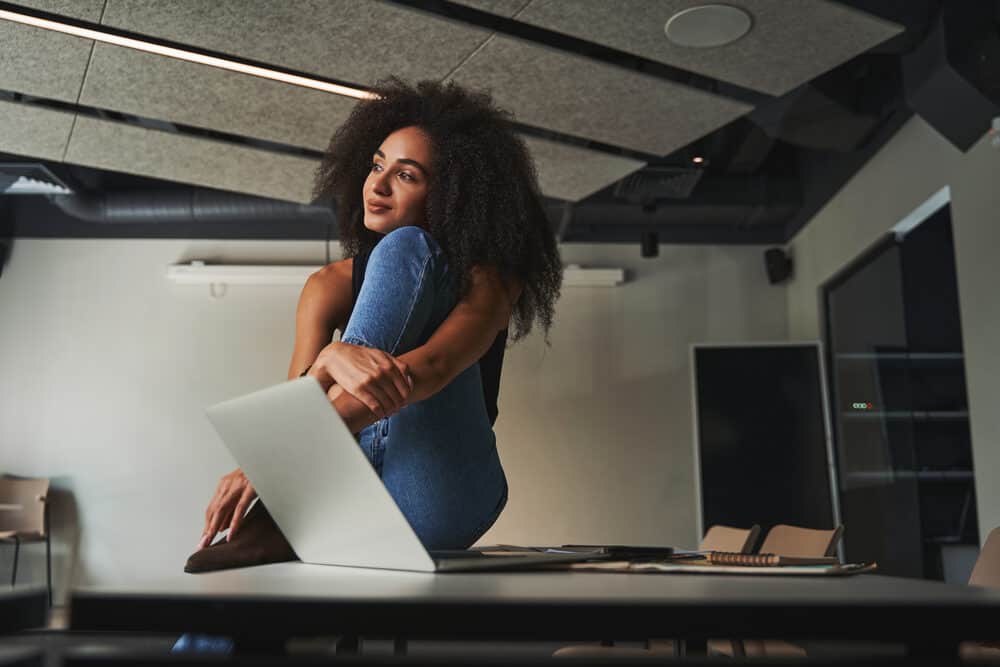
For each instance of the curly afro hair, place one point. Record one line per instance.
(483, 204)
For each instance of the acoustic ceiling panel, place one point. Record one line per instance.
(174, 90)
(28, 130)
(84, 10)
(355, 42)
(573, 172)
(585, 98)
(790, 41)
(44, 63)
(194, 160)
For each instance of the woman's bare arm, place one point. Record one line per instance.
(464, 337)
(324, 305)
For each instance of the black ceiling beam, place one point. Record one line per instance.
(701, 234)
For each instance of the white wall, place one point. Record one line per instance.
(911, 167)
(107, 367)
(595, 432)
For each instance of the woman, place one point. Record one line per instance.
(446, 240)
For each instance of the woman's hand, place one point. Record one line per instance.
(379, 380)
(232, 497)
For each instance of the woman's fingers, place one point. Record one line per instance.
(385, 382)
(213, 526)
(397, 374)
(213, 509)
(241, 507)
(373, 376)
(374, 396)
(390, 382)
(404, 370)
(220, 510)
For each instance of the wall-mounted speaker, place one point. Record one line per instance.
(778, 265)
(5, 245)
(650, 244)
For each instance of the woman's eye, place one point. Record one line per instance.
(409, 177)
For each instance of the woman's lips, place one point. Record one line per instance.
(377, 209)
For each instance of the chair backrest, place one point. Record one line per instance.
(987, 569)
(787, 540)
(22, 505)
(727, 538)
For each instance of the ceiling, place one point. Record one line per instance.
(612, 112)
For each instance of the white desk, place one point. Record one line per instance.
(289, 599)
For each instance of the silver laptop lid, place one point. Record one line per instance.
(316, 482)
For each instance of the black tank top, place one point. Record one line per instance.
(489, 363)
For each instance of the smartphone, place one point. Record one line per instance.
(623, 550)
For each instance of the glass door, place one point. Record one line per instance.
(897, 379)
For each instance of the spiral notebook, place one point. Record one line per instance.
(765, 560)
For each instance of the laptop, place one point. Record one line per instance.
(326, 498)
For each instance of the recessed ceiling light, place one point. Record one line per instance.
(708, 26)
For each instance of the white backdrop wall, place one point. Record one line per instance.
(106, 368)
(908, 170)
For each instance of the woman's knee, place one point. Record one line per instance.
(406, 289)
(403, 244)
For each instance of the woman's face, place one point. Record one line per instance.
(396, 187)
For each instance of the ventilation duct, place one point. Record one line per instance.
(186, 205)
(654, 183)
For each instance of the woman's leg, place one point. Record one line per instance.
(437, 457)
(407, 292)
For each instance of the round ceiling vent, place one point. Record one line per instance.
(708, 25)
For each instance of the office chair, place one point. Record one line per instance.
(786, 540)
(783, 540)
(726, 538)
(24, 517)
(717, 538)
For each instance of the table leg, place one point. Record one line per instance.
(249, 646)
(695, 647)
(347, 645)
(936, 648)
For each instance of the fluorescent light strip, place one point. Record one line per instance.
(181, 54)
(199, 273)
